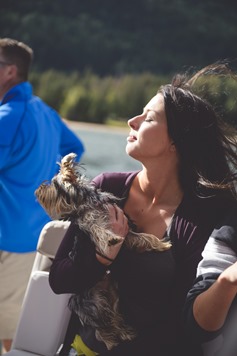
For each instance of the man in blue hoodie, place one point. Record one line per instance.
(33, 138)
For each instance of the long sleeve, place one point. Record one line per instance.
(72, 274)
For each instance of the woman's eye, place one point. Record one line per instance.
(148, 119)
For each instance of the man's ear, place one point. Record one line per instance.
(12, 71)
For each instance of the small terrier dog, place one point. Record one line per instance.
(71, 196)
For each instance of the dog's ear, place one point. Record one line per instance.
(68, 173)
(40, 191)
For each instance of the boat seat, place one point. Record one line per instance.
(44, 315)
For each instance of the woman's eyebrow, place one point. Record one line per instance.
(145, 110)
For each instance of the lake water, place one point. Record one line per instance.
(105, 149)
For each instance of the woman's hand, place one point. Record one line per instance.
(229, 276)
(118, 224)
(118, 221)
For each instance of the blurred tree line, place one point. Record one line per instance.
(113, 37)
(100, 59)
(88, 97)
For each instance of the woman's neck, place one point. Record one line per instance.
(152, 201)
(159, 186)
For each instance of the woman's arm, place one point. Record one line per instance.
(211, 296)
(211, 307)
(77, 265)
(71, 274)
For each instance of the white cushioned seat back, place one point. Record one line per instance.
(20, 353)
(51, 237)
(44, 318)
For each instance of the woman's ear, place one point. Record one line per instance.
(173, 147)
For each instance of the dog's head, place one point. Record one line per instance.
(62, 197)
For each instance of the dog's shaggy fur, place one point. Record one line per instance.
(70, 196)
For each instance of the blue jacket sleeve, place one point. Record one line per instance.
(70, 142)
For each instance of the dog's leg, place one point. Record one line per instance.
(102, 237)
(142, 242)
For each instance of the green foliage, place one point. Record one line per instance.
(90, 98)
(76, 104)
(86, 101)
(130, 93)
(52, 86)
(222, 94)
(112, 37)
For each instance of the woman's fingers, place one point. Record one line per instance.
(118, 224)
(118, 220)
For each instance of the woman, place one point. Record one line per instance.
(181, 193)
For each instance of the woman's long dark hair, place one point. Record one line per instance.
(206, 145)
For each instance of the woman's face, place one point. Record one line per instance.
(148, 137)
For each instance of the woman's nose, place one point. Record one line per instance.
(133, 122)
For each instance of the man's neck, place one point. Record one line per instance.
(5, 88)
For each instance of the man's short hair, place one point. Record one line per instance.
(18, 53)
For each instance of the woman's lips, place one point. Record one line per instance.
(131, 138)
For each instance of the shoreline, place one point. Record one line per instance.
(76, 125)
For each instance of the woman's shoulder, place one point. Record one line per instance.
(197, 218)
(226, 226)
(115, 182)
(212, 207)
